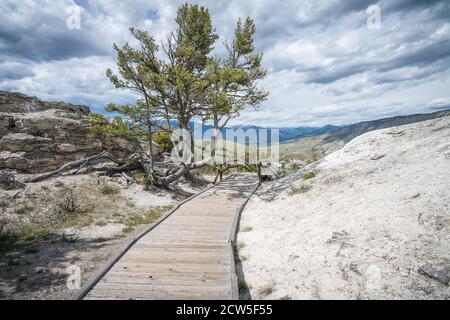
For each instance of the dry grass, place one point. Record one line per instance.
(240, 245)
(247, 229)
(266, 290)
(23, 209)
(109, 189)
(133, 220)
(309, 175)
(77, 203)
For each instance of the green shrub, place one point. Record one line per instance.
(247, 229)
(97, 118)
(108, 189)
(163, 140)
(308, 175)
(139, 177)
(118, 127)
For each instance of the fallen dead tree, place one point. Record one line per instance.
(157, 173)
(122, 165)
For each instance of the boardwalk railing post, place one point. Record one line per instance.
(259, 173)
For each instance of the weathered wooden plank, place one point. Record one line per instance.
(223, 290)
(102, 294)
(166, 274)
(180, 246)
(167, 278)
(172, 267)
(140, 257)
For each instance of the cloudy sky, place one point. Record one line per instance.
(326, 64)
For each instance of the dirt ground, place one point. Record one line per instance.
(69, 221)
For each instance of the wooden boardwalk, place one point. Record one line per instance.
(189, 255)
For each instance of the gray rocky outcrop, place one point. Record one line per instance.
(38, 136)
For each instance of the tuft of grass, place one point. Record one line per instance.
(139, 177)
(22, 209)
(308, 175)
(240, 245)
(101, 223)
(86, 221)
(97, 258)
(130, 204)
(247, 229)
(127, 229)
(100, 240)
(108, 189)
(149, 217)
(266, 290)
(286, 297)
(242, 258)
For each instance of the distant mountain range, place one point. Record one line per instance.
(331, 133)
(335, 139)
(350, 132)
(291, 133)
(285, 133)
